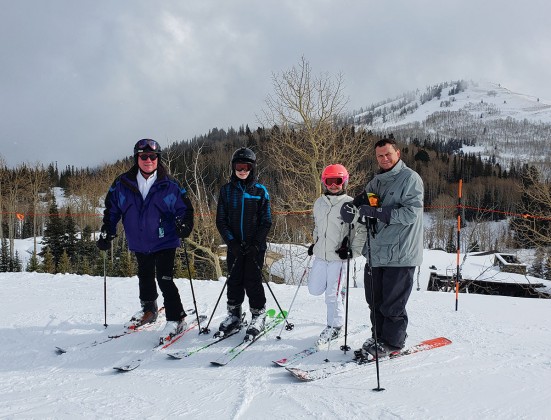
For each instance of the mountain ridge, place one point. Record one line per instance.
(504, 126)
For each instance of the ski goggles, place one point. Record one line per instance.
(150, 156)
(152, 144)
(243, 167)
(330, 181)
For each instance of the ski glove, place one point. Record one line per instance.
(251, 251)
(104, 241)
(311, 250)
(348, 212)
(344, 251)
(235, 248)
(381, 213)
(181, 228)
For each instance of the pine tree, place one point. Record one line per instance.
(70, 236)
(48, 263)
(16, 263)
(86, 247)
(127, 267)
(547, 268)
(4, 256)
(451, 245)
(33, 265)
(64, 265)
(84, 266)
(53, 235)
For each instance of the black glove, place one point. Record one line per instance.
(181, 228)
(235, 248)
(374, 213)
(368, 211)
(348, 212)
(344, 251)
(311, 250)
(104, 241)
(251, 251)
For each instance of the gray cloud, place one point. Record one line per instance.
(82, 81)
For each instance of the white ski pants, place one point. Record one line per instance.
(329, 277)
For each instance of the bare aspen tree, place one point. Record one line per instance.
(3, 177)
(170, 156)
(14, 192)
(536, 208)
(303, 110)
(37, 181)
(203, 238)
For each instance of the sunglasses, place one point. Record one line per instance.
(330, 181)
(143, 143)
(243, 167)
(150, 156)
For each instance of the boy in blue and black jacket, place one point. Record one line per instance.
(243, 218)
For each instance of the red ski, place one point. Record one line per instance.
(324, 371)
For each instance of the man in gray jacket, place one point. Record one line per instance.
(396, 246)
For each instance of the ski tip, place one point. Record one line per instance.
(130, 366)
(174, 356)
(436, 342)
(299, 374)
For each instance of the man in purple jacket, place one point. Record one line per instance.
(156, 213)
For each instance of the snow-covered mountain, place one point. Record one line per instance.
(487, 117)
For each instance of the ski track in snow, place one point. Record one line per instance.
(498, 365)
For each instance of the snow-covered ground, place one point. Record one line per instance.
(498, 365)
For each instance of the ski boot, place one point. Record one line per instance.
(231, 322)
(328, 334)
(172, 329)
(382, 350)
(258, 322)
(146, 315)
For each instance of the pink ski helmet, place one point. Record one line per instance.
(335, 174)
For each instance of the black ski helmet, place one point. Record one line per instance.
(146, 145)
(243, 155)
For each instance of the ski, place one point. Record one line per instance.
(110, 337)
(181, 354)
(286, 361)
(133, 364)
(335, 368)
(235, 351)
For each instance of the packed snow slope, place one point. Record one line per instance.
(498, 365)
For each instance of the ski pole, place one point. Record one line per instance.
(206, 330)
(105, 288)
(345, 347)
(191, 284)
(294, 297)
(373, 312)
(288, 326)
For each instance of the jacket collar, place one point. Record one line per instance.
(384, 176)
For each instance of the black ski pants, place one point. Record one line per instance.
(161, 265)
(245, 277)
(391, 288)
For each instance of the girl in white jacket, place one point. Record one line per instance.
(332, 247)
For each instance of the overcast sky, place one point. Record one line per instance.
(82, 81)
